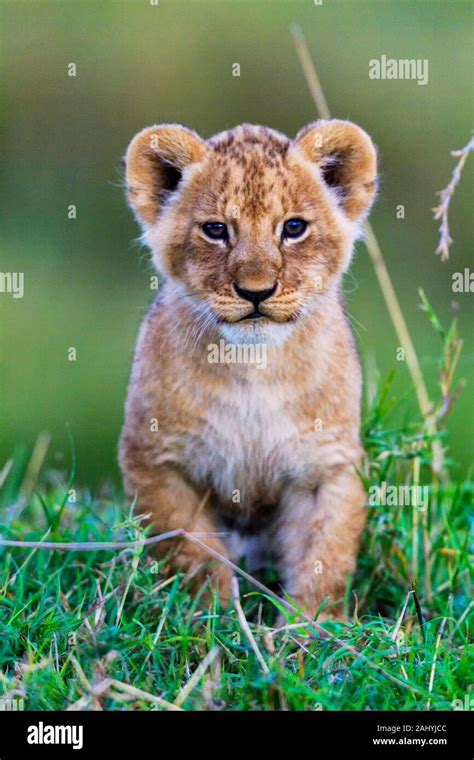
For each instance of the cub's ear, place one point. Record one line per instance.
(154, 162)
(347, 159)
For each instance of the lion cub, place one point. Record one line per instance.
(252, 233)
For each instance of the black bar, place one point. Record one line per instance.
(121, 733)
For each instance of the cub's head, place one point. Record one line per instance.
(255, 230)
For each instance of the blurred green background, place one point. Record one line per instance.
(86, 280)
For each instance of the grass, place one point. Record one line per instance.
(109, 630)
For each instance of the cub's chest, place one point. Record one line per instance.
(250, 444)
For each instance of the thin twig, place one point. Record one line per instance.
(442, 210)
(93, 546)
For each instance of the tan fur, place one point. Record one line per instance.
(267, 455)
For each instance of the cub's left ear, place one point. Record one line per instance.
(347, 159)
(155, 161)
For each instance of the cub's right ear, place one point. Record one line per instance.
(348, 161)
(154, 162)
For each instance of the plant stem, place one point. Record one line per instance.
(379, 265)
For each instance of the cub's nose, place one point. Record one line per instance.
(255, 296)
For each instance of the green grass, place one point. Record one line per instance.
(71, 620)
(89, 629)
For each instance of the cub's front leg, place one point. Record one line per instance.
(173, 503)
(317, 538)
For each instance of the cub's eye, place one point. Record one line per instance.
(215, 230)
(294, 228)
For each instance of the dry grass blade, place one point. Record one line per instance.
(92, 694)
(309, 70)
(104, 688)
(32, 472)
(378, 262)
(4, 472)
(435, 657)
(35, 464)
(400, 619)
(132, 691)
(196, 677)
(135, 565)
(245, 626)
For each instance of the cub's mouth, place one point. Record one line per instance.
(253, 315)
(259, 317)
